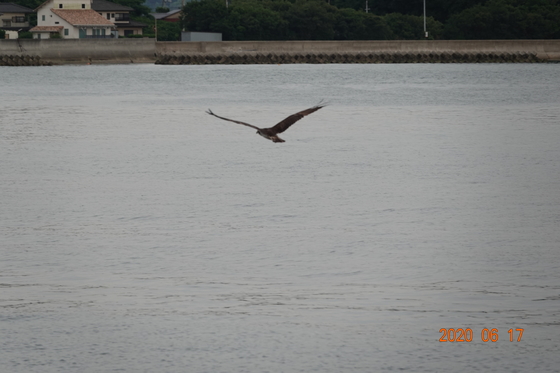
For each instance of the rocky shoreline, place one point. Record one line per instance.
(251, 58)
(24, 60)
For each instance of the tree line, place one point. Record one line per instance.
(386, 20)
(348, 19)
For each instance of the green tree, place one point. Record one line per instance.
(359, 5)
(347, 20)
(206, 16)
(410, 7)
(25, 35)
(242, 20)
(351, 24)
(32, 4)
(138, 5)
(311, 20)
(252, 20)
(376, 28)
(168, 31)
(407, 27)
(503, 19)
(441, 10)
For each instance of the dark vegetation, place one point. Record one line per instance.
(389, 19)
(347, 19)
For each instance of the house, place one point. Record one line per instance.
(172, 16)
(14, 18)
(71, 19)
(120, 16)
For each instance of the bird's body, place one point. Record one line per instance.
(268, 133)
(272, 132)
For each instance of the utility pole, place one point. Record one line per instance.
(367, 7)
(425, 31)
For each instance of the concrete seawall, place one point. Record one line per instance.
(543, 49)
(81, 51)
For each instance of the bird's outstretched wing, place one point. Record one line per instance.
(286, 123)
(231, 120)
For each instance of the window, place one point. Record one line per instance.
(56, 23)
(83, 6)
(108, 15)
(18, 19)
(128, 32)
(59, 6)
(122, 17)
(43, 17)
(65, 32)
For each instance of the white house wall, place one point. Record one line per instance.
(44, 12)
(11, 34)
(41, 35)
(53, 20)
(73, 32)
(111, 15)
(71, 4)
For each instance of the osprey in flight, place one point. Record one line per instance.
(272, 132)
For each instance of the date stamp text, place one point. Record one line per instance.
(486, 335)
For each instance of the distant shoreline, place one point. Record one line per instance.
(27, 52)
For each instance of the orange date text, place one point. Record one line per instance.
(486, 335)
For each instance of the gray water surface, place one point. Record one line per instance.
(139, 234)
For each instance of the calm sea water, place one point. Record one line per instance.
(139, 234)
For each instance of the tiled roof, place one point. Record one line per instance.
(82, 17)
(106, 6)
(46, 29)
(14, 8)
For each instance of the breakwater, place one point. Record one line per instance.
(28, 52)
(25, 60)
(252, 58)
(353, 50)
